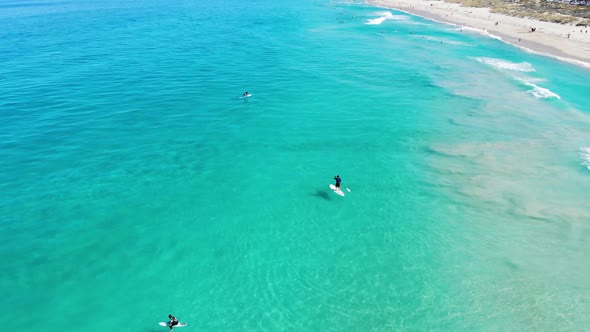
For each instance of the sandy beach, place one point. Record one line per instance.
(565, 42)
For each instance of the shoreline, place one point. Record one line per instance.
(549, 39)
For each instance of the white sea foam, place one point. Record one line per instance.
(531, 79)
(376, 21)
(540, 92)
(466, 28)
(486, 33)
(503, 64)
(585, 155)
(452, 42)
(560, 58)
(537, 91)
(479, 31)
(446, 41)
(385, 16)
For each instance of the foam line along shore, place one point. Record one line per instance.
(565, 42)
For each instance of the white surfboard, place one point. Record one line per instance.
(167, 324)
(336, 190)
(246, 96)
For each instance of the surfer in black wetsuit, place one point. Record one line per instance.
(338, 180)
(173, 322)
(245, 94)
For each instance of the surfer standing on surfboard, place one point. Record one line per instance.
(173, 322)
(338, 180)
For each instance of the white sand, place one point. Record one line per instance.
(549, 39)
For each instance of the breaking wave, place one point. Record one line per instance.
(507, 65)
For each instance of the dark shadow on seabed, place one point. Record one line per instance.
(322, 194)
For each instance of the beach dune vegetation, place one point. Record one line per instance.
(543, 10)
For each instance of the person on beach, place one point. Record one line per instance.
(173, 322)
(338, 180)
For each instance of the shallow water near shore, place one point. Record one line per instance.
(135, 183)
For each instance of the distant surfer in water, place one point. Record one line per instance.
(245, 94)
(173, 322)
(338, 180)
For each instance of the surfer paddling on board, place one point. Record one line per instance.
(173, 322)
(338, 180)
(245, 94)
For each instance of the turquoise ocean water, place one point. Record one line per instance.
(134, 183)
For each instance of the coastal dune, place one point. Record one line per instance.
(565, 42)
